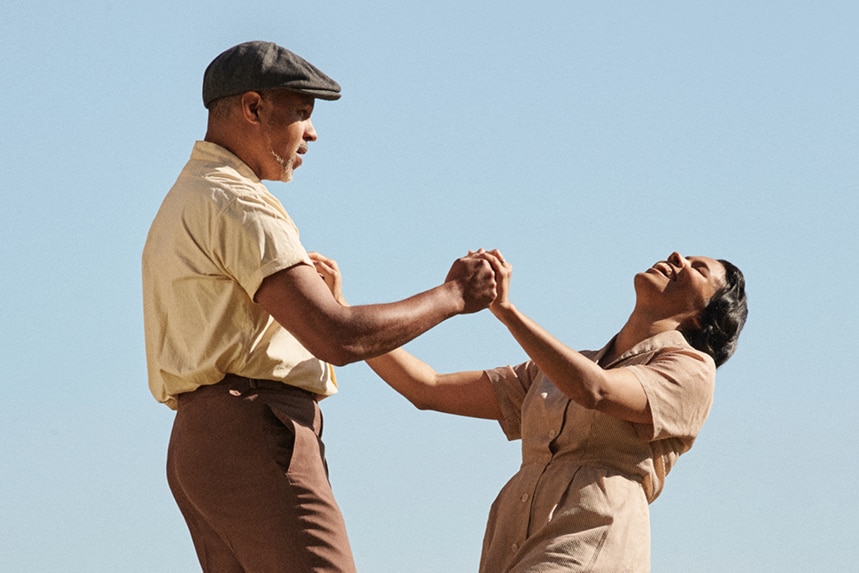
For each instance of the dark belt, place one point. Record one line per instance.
(241, 386)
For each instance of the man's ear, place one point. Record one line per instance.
(251, 103)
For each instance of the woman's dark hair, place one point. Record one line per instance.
(722, 320)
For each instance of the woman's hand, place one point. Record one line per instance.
(503, 271)
(330, 273)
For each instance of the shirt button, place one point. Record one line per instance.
(515, 547)
(553, 433)
(524, 497)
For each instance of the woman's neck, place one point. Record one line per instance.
(637, 329)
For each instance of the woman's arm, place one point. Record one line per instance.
(616, 392)
(467, 393)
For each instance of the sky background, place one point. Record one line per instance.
(584, 139)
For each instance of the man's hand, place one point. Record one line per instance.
(475, 279)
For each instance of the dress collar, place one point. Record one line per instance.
(655, 342)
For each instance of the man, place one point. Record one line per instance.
(240, 328)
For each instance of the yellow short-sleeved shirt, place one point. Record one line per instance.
(217, 235)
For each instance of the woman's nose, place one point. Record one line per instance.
(677, 259)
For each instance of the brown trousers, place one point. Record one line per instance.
(246, 465)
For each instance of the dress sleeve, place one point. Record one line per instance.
(511, 385)
(679, 384)
(253, 240)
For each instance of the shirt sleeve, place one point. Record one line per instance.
(511, 385)
(679, 384)
(253, 240)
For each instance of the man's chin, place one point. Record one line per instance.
(287, 168)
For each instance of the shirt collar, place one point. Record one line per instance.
(214, 153)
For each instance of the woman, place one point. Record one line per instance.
(600, 430)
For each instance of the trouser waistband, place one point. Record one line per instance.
(240, 386)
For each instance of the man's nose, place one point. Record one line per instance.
(309, 132)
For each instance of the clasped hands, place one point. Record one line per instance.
(482, 279)
(486, 278)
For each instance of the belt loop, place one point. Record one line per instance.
(253, 383)
(240, 385)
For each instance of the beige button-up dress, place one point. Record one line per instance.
(580, 499)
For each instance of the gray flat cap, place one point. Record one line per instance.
(255, 66)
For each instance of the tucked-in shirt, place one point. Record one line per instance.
(218, 233)
(580, 499)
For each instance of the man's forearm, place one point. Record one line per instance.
(300, 301)
(366, 331)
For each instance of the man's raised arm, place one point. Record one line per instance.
(302, 303)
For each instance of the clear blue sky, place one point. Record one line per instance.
(586, 140)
